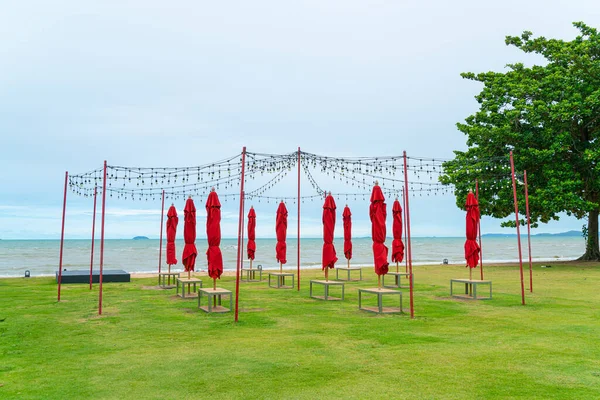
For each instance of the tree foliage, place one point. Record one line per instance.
(549, 116)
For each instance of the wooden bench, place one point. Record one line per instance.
(348, 270)
(397, 284)
(326, 285)
(470, 288)
(380, 309)
(281, 280)
(162, 281)
(214, 297)
(251, 274)
(188, 281)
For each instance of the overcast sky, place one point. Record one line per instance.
(85, 81)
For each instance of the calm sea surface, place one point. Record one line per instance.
(41, 256)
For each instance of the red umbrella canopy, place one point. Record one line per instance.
(280, 231)
(213, 234)
(471, 247)
(329, 256)
(378, 213)
(172, 221)
(189, 235)
(397, 245)
(347, 218)
(251, 233)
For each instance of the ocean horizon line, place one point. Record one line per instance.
(487, 235)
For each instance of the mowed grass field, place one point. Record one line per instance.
(149, 344)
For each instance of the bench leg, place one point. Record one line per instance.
(401, 302)
(359, 300)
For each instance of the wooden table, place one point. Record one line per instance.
(188, 281)
(470, 288)
(251, 274)
(162, 279)
(281, 280)
(397, 283)
(380, 309)
(326, 285)
(348, 270)
(214, 297)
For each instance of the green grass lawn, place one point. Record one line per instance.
(150, 344)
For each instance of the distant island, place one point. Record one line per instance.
(562, 234)
(141, 238)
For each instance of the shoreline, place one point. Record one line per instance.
(232, 273)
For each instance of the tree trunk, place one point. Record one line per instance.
(592, 250)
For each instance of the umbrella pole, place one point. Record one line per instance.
(470, 284)
(348, 263)
(250, 263)
(214, 288)
(326, 274)
(397, 267)
(379, 281)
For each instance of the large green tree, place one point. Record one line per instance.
(549, 116)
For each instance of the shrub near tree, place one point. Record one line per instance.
(549, 116)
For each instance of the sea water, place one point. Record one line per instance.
(41, 257)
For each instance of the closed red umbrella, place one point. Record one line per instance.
(213, 234)
(377, 212)
(189, 236)
(347, 218)
(471, 247)
(397, 245)
(329, 256)
(251, 235)
(172, 221)
(281, 231)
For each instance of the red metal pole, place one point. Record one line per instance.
(240, 228)
(405, 235)
(479, 230)
(62, 233)
(93, 231)
(409, 252)
(299, 218)
(102, 241)
(528, 231)
(514, 185)
(162, 214)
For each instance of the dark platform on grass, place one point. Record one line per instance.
(83, 276)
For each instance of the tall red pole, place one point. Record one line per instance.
(405, 234)
(162, 214)
(62, 233)
(514, 185)
(479, 231)
(240, 228)
(298, 218)
(102, 240)
(528, 231)
(409, 252)
(93, 231)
